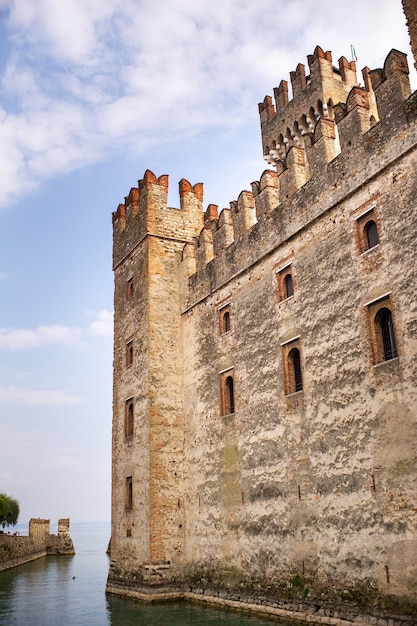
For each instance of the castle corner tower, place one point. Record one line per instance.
(147, 492)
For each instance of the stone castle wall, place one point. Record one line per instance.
(230, 477)
(19, 549)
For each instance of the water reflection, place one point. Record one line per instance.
(69, 591)
(35, 594)
(125, 612)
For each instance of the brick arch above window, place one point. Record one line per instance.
(227, 392)
(292, 366)
(285, 281)
(367, 230)
(225, 320)
(382, 329)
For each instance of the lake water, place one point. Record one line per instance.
(69, 591)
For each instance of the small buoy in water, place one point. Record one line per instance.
(73, 577)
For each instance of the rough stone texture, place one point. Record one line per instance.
(148, 537)
(292, 500)
(16, 550)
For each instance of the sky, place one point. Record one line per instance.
(93, 93)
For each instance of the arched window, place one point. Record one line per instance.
(227, 393)
(129, 353)
(367, 235)
(226, 322)
(386, 334)
(229, 396)
(295, 376)
(225, 319)
(289, 288)
(371, 234)
(285, 281)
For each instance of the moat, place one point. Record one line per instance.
(69, 591)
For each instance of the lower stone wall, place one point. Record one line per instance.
(16, 550)
(299, 611)
(21, 560)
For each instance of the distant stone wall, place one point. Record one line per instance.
(63, 527)
(16, 550)
(39, 528)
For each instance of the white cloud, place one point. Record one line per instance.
(103, 324)
(70, 28)
(86, 79)
(36, 397)
(22, 339)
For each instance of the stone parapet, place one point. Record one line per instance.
(19, 549)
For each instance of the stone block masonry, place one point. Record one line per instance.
(265, 366)
(17, 550)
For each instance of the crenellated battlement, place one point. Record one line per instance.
(145, 212)
(328, 117)
(289, 123)
(314, 163)
(328, 93)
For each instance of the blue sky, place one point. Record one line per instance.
(92, 93)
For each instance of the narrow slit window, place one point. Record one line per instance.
(289, 288)
(227, 392)
(295, 370)
(226, 321)
(292, 368)
(230, 395)
(130, 289)
(129, 418)
(129, 353)
(385, 330)
(129, 493)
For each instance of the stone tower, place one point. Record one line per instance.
(147, 492)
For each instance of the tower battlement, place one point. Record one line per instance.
(328, 93)
(145, 212)
(288, 122)
(312, 169)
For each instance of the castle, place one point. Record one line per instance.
(265, 363)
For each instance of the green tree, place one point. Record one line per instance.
(9, 510)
